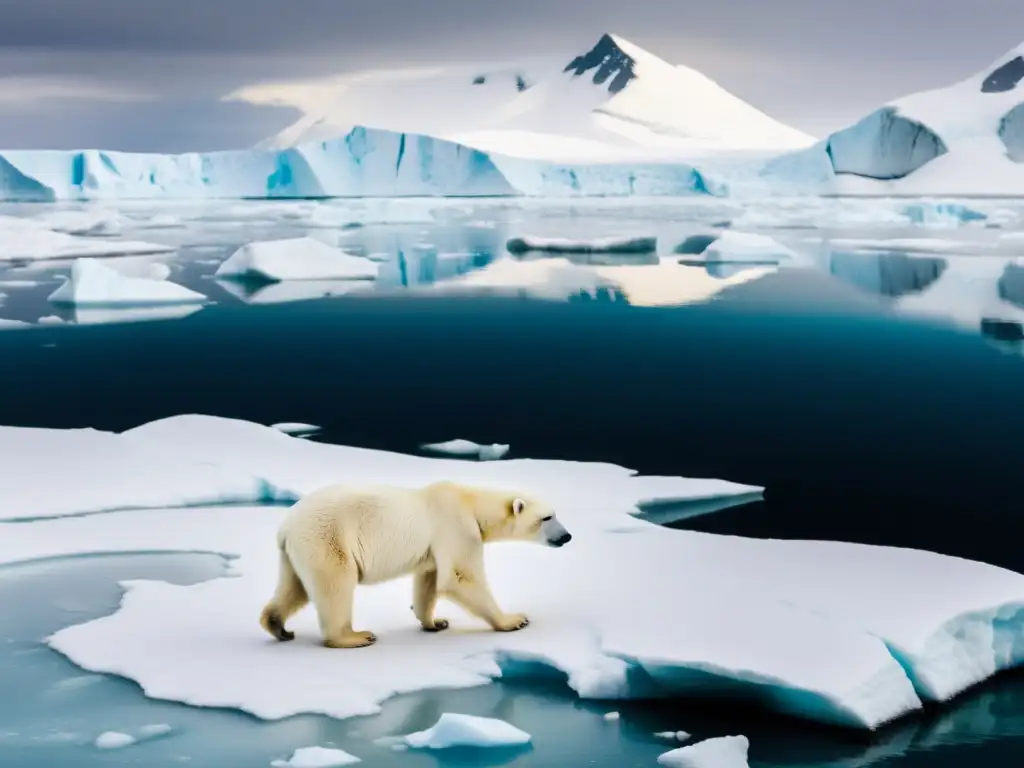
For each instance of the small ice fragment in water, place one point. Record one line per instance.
(672, 735)
(153, 730)
(520, 245)
(455, 730)
(460, 447)
(316, 757)
(612, 715)
(296, 428)
(113, 740)
(722, 752)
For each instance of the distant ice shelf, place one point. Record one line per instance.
(366, 162)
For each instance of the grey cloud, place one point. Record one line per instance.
(814, 63)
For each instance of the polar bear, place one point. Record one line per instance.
(341, 536)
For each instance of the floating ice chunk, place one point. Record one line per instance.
(672, 735)
(460, 447)
(113, 740)
(454, 730)
(316, 757)
(519, 245)
(88, 223)
(93, 283)
(612, 715)
(301, 258)
(746, 248)
(95, 315)
(50, 320)
(5, 323)
(941, 214)
(296, 428)
(26, 240)
(909, 244)
(721, 752)
(154, 730)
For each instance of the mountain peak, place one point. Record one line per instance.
(607, 61)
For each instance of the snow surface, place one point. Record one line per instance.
(24, 239)
(573, 106)
(520, 245)
(316, 757)
(94, 283)
(962, 139)
(720, 752)
(824, 647)
(113, 740)
(455, 730)
(300, 258)
(459, 447)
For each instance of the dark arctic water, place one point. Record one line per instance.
(863, 424)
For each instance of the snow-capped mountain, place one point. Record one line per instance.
(966, 138)
(613, 97)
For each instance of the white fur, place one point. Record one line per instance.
(341, 536)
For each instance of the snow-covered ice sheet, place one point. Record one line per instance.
(24, 239)
(460, 447)
(93, 283)
(719, 752)
(301, 258)
(823, 645)
(316, 757)
(520, 245)
(458, 730)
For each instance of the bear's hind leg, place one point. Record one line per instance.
(289, 598)
(424, 600)
(334, 589)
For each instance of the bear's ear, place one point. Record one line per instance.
(518, 505)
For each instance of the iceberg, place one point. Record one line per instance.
(521, 245)
(963, 139)
(455, 730)
(93, 283)
(316, 757)
(300, 258)
(825, 648)
(734, 247)
(720, 752)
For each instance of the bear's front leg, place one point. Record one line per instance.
(471, 591)
(424, 600)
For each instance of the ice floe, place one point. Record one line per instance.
(520, 245)
(94, 283)
(23, 239)
(461, 447)
(720, 752)
(316, 757)
(730, 246)
(824, 648)
(456, 730)
(301, 258)
(113, 740)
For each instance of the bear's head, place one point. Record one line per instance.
(535, 521)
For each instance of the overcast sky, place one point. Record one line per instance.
(149, 74)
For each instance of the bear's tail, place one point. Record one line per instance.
(289, 597)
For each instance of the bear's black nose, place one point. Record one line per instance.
(562, 540)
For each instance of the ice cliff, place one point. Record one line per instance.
(366, 162)
(966, 138)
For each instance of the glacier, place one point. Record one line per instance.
(365, 162)
(963, 139)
